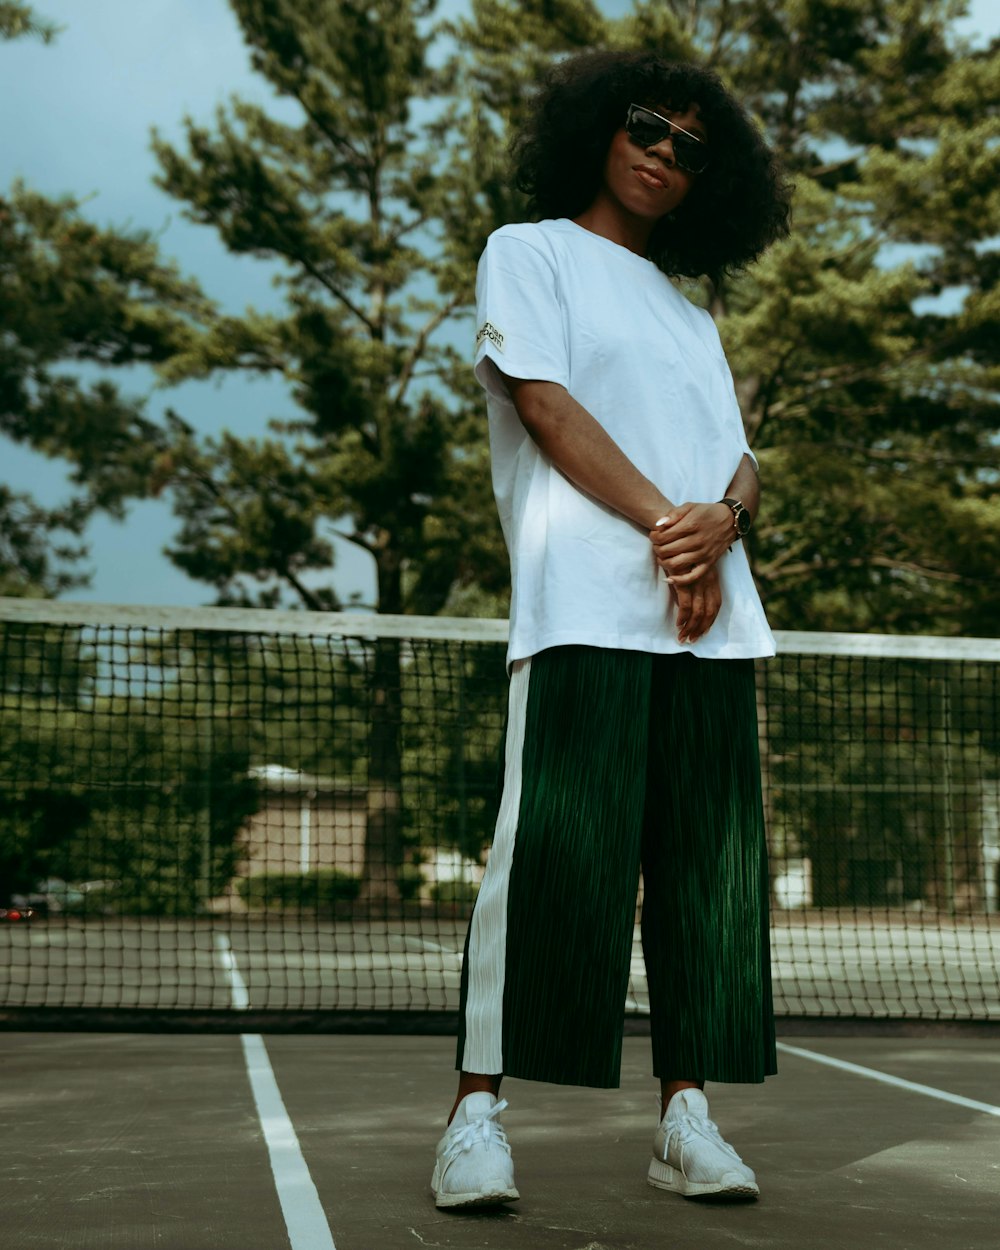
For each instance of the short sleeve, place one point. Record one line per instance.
(737, 417)
(520, 326)
(740, 429)
(741, 432)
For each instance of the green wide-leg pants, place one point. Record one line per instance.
(616, 760)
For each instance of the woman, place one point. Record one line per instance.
(625, 484)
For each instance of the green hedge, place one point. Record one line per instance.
(308, 891)
(409, 881)
(299, 890)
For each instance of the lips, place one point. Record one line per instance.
(650, 176)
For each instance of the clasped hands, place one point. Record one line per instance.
(687, 544)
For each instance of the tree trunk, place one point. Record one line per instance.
(384, 833)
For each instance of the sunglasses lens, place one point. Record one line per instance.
(646, 129)
(690, 154)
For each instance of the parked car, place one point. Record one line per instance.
(59, 896)
(56, 897)
(16, 913)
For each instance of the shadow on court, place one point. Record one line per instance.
(126, 1141)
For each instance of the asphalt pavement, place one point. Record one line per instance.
(206, 1142)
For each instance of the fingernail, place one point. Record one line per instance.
(664, 520)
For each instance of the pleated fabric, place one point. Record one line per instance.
(615, 758)
(705, 923)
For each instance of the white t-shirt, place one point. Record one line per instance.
(558, 303)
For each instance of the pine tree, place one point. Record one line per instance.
(70, 293)
(351, 202)
(92, 299)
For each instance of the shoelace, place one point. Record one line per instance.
(691, 1126)
(485, 1129)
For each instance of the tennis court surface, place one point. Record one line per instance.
(238, 853)
(126, 1141)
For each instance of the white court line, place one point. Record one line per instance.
(239, 994)
(872, 1073)
(300, 1205)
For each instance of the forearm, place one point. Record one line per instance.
(582, 449)
(745, 486)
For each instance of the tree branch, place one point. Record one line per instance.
(337, 141)
(335, 291)
(442, 314)
(910, 566)
(370, 441)
(819, 172)
(313, 602)
(394, 236)
(858, 562)
(916, 457)
(749, 391)
(721, 28)
(768, 571)
(357, 539)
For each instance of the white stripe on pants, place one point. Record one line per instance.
(488, 931)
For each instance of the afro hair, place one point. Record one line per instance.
(735, 209)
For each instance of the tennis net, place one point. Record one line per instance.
(206, 813)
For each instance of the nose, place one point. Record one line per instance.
(664, 150)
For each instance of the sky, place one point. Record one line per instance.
(77, 119)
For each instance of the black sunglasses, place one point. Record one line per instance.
(647, 129)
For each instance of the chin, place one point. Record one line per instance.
(644, 206)
(644, 212)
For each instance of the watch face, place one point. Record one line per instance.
(743, 521)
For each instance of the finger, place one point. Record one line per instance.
(686, 578)
(677, 541)
(683, 612)
(679, 529)
(717, 605)
(681, 559)
(674, 515)
(696, 623)
(695, 546)
(679, 563)
(670, 540)
(713, 603)
(700, 608)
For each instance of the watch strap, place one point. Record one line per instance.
(739, 510)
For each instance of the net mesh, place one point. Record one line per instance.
(215, 810)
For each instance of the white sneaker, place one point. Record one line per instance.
(691, 1158)
(474, 1167)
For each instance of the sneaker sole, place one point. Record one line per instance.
(662, 1176)
(493, 1194)
(486, 1198)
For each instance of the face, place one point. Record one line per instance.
(647, 182)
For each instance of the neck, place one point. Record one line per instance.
(607, 218)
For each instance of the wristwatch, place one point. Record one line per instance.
(741, 518)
